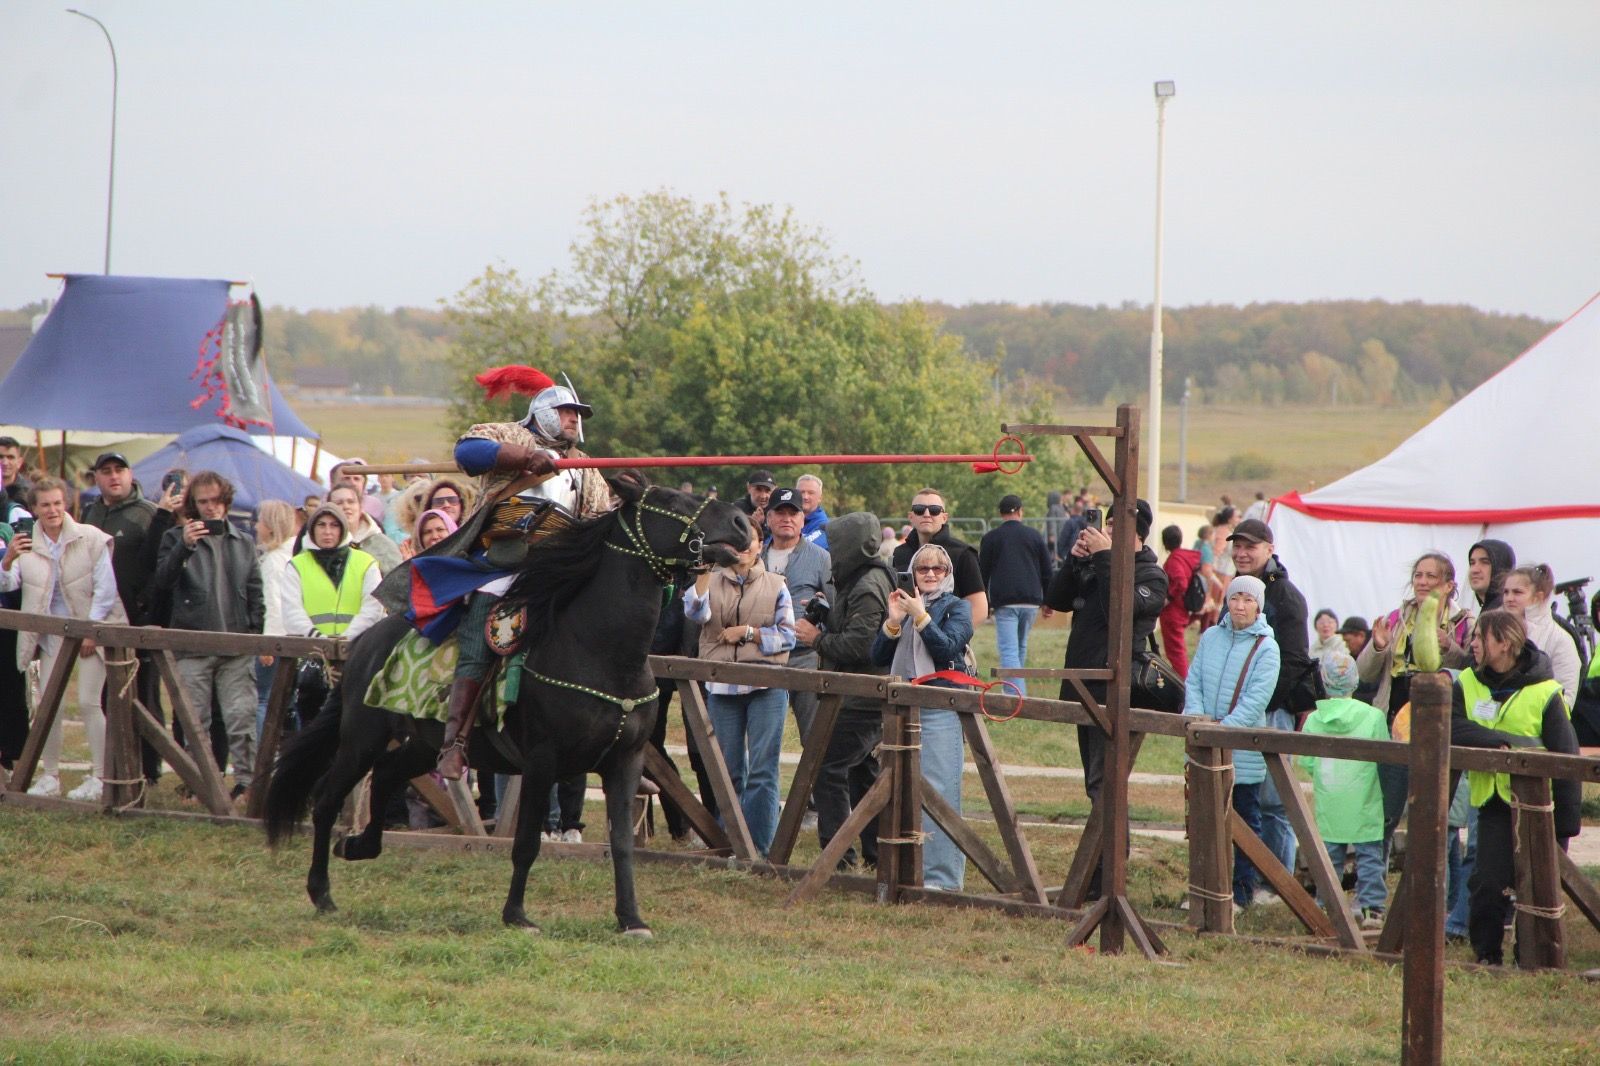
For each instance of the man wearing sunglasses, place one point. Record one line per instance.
(929, 525)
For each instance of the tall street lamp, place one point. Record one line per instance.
(111, 180)
(1165, 90)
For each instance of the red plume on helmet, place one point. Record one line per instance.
(505, 380)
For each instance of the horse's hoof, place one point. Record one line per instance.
(640, 933)
(519, 920)
(324, 904)
(356, 849)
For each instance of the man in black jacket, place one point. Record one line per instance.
(1299, 679)
(1016, 567)
(122, 511)
(215, 579)
(1083, 586)
(863, 584)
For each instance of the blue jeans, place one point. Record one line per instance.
(749, 730)
(1371, 891)
(1247, 802)
(943, 864)
(1276, 831)
(1455, 923)
(263, 690)
(1011, 626)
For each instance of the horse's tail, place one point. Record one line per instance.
(302, 761)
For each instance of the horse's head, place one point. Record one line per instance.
(686, 530)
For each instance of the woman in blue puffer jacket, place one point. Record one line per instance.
(1231, 681)
(923, 633)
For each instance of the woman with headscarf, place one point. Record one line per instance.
(925, 632)
(1231, 681)
(429, 529)
(328, 585)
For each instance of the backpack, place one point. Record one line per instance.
(1194, 595)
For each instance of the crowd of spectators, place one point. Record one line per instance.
(852, 593)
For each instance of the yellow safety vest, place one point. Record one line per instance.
(332, 609)
(1522, 715)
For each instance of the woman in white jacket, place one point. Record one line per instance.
(275, 529)
(1527, 591)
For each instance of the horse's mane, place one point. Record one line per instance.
(560, 565)
(557, 567)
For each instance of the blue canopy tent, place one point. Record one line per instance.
(256, 476)
(126, 354)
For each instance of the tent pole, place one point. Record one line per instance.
(62, 465)
(316, 453)
(38, 449)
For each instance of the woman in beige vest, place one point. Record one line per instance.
(746, 616)
(64, 569)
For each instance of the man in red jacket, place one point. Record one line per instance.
(1181, 562)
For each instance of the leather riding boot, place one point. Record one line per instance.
(463, 710)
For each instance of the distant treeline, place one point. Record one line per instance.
(1346, 351)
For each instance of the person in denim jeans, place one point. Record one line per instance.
(746, 616)
(923, 633)
(1016, 567)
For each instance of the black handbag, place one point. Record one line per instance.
(1155, 685)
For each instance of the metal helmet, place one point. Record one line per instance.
(542, 412)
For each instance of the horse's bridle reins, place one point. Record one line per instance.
(662, 567)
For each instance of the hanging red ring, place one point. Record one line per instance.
(984, 695)
(1016, 466)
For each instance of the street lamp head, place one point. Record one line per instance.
(1165, 89)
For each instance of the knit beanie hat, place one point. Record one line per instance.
(1250, 586)
(1339, 675)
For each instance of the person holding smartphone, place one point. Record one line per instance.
(63, 568)
(211, 570)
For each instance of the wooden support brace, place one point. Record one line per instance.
(169, 749)
(212, 793)
(672, 787)
(44, 715)
(1282, 881)
(1097, 459)
(466, 809)
(505, 816)
(705, 738)
(1143, 933)
(1329, 886)
(1579, 889)
(805, 778)
(1097, 912)
(1003, 807)
(1091, 705)
(946, 817)
(1392, 938)
(285, 672)
(871, 805)
(438, 799)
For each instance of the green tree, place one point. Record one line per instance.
(706, 329)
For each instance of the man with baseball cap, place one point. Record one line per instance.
(807, 570)
(1299, 682)
(758, 491)
(122, 511)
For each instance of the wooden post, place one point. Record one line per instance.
(900, 826)
(1541, 937)
(124, 767)
(1422, 1011)
(1210, 856)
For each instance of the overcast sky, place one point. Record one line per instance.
(383, 153)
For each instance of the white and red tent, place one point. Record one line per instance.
(1517, 459)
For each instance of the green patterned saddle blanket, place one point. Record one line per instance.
(415, 679)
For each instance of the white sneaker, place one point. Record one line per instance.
(48, 785)
(572, 836)
(547, 837)
(90, 791)
(1265, 897)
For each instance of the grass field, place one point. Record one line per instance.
(155, 942)
(381, 434)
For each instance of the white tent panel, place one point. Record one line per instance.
(1544, 458)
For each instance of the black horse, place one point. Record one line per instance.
(593, 594)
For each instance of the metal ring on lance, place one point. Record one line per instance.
(1022, 449)
(984, 695)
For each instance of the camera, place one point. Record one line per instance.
(817, 610)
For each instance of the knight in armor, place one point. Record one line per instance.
(455, 585)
